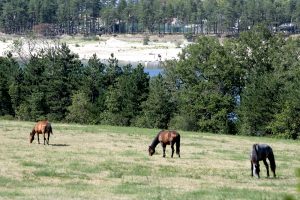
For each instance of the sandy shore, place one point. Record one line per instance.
(129, 48)
(131, 51)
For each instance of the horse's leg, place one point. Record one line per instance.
(177, 142)
(164, 149)
(251, 168)
(38, 138)
(48, 138)
(273, 170)
(272, 163)
(172, 147)
(44, 137)
(267, 166)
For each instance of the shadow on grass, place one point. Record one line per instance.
(60, 145)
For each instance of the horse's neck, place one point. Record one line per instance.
(155, 142)
(257, 152)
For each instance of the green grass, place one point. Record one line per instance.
(107, 162)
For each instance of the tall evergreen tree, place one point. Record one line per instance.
(207, 82)
(17, 90)
(64, 73)
(159, 107)
(8, 69)
(124, 98)
(94, 86)
(262, 56)
(113, 71)
(80, 111)
(34, 105)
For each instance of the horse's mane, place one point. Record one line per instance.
(155, 141)
(255, 148)
(254, 153)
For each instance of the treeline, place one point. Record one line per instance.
(52, 17)
(248, 85)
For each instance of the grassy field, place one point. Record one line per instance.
(104, 162)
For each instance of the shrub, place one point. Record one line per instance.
(146, 40)
(81, 109)
(189, 36)
(186, 123)
(286, 123)
(7, 117)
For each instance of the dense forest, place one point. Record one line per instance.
(54, 17)
(245, 85)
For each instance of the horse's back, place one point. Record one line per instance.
(42, 126)
(262, 151)
(167, 136)
(264, 148)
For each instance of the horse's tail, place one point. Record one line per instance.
(255, 148)
(254, 153)
(271, 158)
(49, 127)
(178, 145)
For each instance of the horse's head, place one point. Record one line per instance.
(256, 170)
(31, 136)
(151, 151)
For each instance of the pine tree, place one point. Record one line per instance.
(80, 111)
(8, 69)
(124, 98)
(158, 108)
(94, 86)
(64, 72)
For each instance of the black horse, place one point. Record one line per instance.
(262, 152)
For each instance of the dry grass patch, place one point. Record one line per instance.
(105, 162)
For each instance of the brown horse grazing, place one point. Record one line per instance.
(41, 127)
(166, 138)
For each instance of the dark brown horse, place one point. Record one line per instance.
(262, 152)
(166, 138)
(41, 127)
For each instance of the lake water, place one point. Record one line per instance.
(153, 72)
(153, 68)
